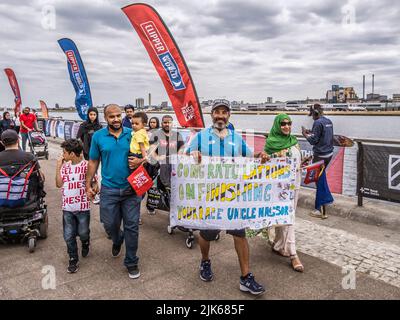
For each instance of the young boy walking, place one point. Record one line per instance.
(71, 176)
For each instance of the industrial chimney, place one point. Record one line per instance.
(149, 100)
(363, 87)
(373, 84)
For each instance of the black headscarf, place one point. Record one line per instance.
(95, 125)
(6, 123)
(86, 131)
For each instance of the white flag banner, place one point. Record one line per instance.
(232, 193)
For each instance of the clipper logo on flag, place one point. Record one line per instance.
(72, 60)
(75, 69)
(165, 57)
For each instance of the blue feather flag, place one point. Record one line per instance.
(77, 73)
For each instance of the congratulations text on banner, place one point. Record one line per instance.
(232, 193)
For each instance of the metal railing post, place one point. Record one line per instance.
(360, 173)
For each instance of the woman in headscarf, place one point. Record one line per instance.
(7, 122)
(87, 129)
(281, 143)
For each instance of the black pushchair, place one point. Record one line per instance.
(23, 212)
(158, 198)
(38, 144)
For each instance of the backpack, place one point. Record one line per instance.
(14, 189)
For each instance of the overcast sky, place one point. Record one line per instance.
(241, 50)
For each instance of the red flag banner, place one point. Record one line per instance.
(15, 88)
(313, 171)
(169, 63)
(140, 181)
(45, 110)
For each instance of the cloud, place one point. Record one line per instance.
(242, 50)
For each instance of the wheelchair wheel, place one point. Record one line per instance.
(189, 243)
(43, 228)
(31, 244)
(46, 155)
(170, 230)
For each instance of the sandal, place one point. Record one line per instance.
(280, 252)
(296, 264)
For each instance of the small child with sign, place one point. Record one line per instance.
(71, 172)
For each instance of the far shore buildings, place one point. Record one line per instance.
(341, 95)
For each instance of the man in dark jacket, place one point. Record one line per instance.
(321, 138)
(129, 111)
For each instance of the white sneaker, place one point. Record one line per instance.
(316, 214)
(96, 199)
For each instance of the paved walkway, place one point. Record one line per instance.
(327, 248)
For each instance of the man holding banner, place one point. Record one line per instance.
(219, 141)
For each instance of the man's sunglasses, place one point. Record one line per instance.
(286, 123)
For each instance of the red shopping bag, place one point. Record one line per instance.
(140, 181)
(313, 172)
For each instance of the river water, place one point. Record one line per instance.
(355, 126)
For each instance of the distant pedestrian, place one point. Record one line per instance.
(28, 124)
(71, 172)
(129, 111)
(321, 137)
(87, 130)
(168, 142)
(5, 124)
(17, 122)
(154, 125)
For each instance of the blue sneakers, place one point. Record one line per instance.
(249, 284)
(205, 271)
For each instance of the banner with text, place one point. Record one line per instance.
(232, 193)
(381, 167)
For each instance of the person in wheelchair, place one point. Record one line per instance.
(23, 213)
(13, 155)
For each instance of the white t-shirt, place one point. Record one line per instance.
(74, 196)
